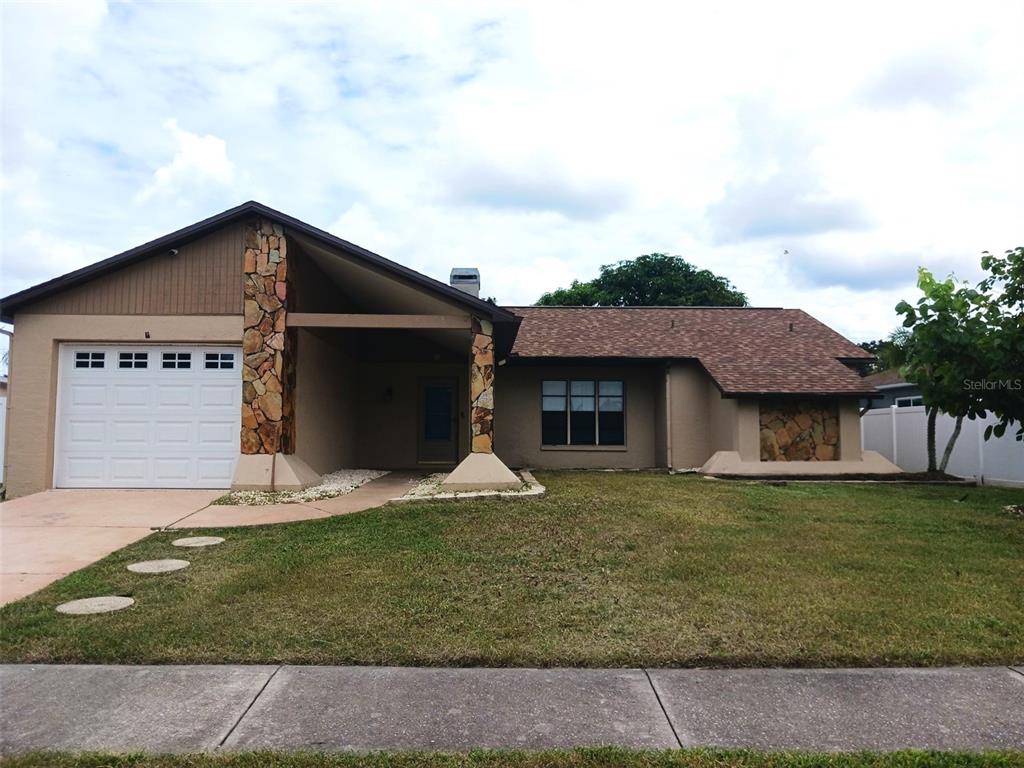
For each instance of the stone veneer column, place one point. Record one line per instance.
(481, 470)
(267, 368)
(481, 387)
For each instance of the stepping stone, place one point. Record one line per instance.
(198, 541)
(158, 566)
(104, 604)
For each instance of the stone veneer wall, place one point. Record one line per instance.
(803, 430)
(481, 387)
(268, 371)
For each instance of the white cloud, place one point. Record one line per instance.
(40, 255)
(359, 225)
(533, 140)
(198, 159)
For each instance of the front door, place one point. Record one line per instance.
(438, 421)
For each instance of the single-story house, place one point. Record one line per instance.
(892, 389)
(252, 350)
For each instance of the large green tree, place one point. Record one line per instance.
(1003, 389)
(966, 348)
(651, 280)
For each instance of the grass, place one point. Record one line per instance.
(579, 758)
(608, 569)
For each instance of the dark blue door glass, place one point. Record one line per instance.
(437, 417)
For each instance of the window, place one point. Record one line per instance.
(907, 402)
(177, 360)
(225, 360)
(583, 412)
(132, 359)
(89, 359)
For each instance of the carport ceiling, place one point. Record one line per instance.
(371, 289)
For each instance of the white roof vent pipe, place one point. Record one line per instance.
(466, 279)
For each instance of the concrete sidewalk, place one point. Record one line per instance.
(202, 708)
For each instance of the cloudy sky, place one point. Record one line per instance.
(814, 154)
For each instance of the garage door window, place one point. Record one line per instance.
(220, 360)
(177, 360)
(89, 359)
(133, 360)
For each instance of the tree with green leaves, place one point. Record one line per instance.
(966, 348)
(1003, 394)
(891, 351)
(651, 280)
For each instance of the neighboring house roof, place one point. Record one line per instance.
(890, 377)
(746, 350)
(10, 304)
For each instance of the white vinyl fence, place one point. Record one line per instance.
(899, 434)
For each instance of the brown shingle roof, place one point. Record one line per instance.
(745, 350)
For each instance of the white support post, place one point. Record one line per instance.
(980, 431)
(895, 440)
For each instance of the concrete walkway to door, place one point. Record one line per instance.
(47, 535)
(372, 494)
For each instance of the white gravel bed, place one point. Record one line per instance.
(333, 484)
(430, 488)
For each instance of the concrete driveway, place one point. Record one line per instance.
(47, 535)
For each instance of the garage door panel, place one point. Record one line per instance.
(217, 433)
(210, 469)
(129, 434)
(171, 470)
(211, 395)
(83, 471)
(173, 434)
(88, 396)
(86, 432)
(147, 425)
(131, 395)
(175, 396)
(128, 469)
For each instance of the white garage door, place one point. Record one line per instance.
(147, 416)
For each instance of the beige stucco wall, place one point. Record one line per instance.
(517, 418)
(325, 401)
(388, 428)
(662, 433)
(850, 448)
(702, 421)
(33, 375)
(688, 415)
(748, 429)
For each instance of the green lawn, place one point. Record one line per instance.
(580, 758)
(609, 569)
